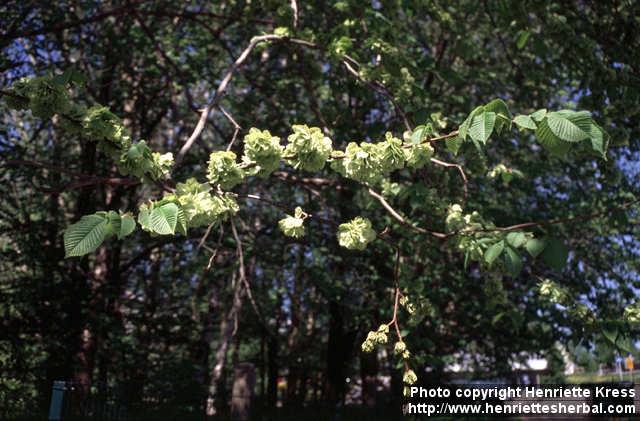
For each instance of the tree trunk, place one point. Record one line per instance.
(244, 383)
(272, 371)
(227, 330)
(369, 374)
(337, 356)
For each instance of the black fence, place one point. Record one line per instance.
(73, 401)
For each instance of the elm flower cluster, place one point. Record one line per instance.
(356, 234)
(41, 95)
(409, 377)
(140, 161)
(47, 96)
(374, 338)
(418, 155)
(553, 292)
(263, 151)
(100, 124)
(293, 226)
(407, 304)
(308, 148)
(507, 174)
(370, 162)
(632, 313)
(200, 207)
(224, 170)
(400, 348)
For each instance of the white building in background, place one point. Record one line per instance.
(525, 368)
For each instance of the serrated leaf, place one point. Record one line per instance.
(599, 140)
(85, 235)
(163, 219)
(525, 121)
(570, 126)
(494, 252)
(535, 246)
(127, 225)
(463, 130)
(453, 144)
(610, 335)
(181, 224)
(143, 219)
(539, 114)
(419, 133)
(503, 115)
(512, 261)
(482, 126)
(498, 106)
(555, 254)
(516, 239)
(113, 223)
(550, 141)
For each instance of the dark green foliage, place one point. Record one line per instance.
(146, 311)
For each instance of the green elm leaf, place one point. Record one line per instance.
(599, 140)
(85, 236)
(482, 126)
(570, 126)
(513, 261)
(453, 144)
(494, 252)
(163, 219)
(516, 239)
(535, 246)
(539, 115)
(503, 115)
(463, 130)
(610, 335)
(525, 122)
(550, 141)
(419, 134)
(127, 225)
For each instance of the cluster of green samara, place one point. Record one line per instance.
(194, 203)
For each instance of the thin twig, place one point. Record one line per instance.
(294, 8)
(214, 253)
(41, 164)
(380, 89)
(94, 181)
(557, 221)
(402, 220)
(460, 170)
(236, 127)
(204, 115)
(241, 270)
(205, 236)
(396, 301)
(348, 62)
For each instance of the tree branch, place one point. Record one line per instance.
(460, 170)
(204, 115)
(557, 221)
(401, 219)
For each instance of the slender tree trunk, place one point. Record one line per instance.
(206, 338)
(244, 382)
(147, 329)
(227, 328)
(369, 374)
(339, 353)
(272, 371)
